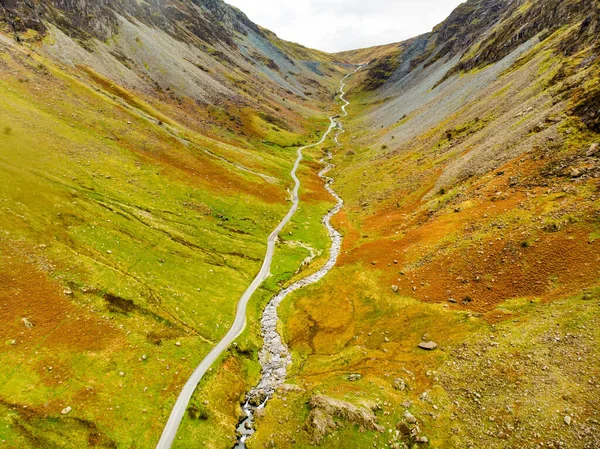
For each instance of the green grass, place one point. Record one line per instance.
(117, 205)
(225, 388)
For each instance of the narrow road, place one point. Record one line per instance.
(170, 431)
(275, 357)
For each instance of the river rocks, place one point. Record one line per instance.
(257, 397)
(66, 410)
(274, 357)
(568, 420)
(395, 288)
(428, 345)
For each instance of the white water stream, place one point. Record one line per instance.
(275, 356)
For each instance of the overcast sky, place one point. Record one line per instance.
(336, 25)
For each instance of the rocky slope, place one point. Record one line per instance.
(204, 51)
(470, 174)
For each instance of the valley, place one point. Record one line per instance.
(175, 257)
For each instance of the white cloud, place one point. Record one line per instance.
(336, 25)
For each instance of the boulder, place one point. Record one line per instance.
(407, 404)
(408, 416)
(428, 345)
(324, 409)
(399, 384)
(403, 427)
(354, 377)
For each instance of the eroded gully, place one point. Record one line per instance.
(275, 356)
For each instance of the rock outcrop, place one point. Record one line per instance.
(325, 410)
(208, 20)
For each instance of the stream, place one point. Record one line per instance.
(275, 357)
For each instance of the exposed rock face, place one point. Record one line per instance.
(535, 17)
(208, 20)
(467, 23)
(589, 111)
(202, 50)
(20, 16)
(501, 26)
(324, 409)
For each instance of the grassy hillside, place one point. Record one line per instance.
(471, 220)
(134, 212)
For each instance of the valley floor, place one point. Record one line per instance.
(145, 161)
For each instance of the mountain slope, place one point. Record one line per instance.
(196, 54)
(145, 156)
(470, 174)
(145, 152)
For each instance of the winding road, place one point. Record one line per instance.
(170, 430)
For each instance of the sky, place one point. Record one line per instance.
(337, 25)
